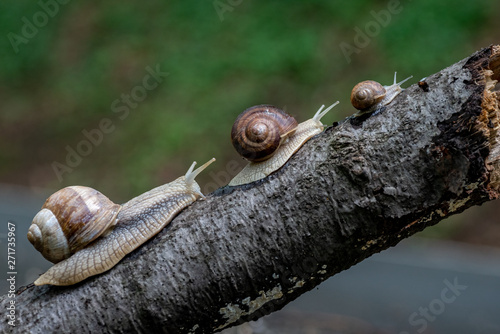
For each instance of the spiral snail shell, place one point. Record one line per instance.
(259, 131)
(292, 138)
(85, 234)
(70, 219)
(370, 95)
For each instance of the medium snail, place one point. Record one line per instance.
(259, 131)
(370, 95)
(84, 233)
(267, 156)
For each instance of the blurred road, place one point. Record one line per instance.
(419, 286)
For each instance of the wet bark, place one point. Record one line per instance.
(358, 188)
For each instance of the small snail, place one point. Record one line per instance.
(84, 233)
(292, 137)
(370, 95)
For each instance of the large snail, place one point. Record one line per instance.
(370, 95)
(85, 234)
(268, 152)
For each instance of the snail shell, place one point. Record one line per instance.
(257, 170)
(370, 95)
(367, 94)
(69, 220)
(137, 221)
(259, 131)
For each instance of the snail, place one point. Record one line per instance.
(276, 152)
(370, 95)
(85, 234)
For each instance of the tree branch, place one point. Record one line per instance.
(358, 188)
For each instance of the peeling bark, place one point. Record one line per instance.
(358, 188)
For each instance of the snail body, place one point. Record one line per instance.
(370, 95)
(292, 141)
(135, 222)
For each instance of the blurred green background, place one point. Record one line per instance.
(64, 66)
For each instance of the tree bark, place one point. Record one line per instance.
(358, 188)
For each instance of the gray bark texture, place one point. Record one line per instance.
(358, 188)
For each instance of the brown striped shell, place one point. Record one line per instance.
(367, 94)
(259, 131)
(70, 219)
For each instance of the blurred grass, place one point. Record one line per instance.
(65, 79)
